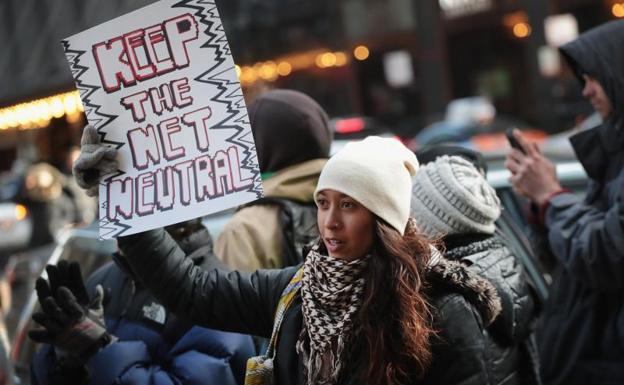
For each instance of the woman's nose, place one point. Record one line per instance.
(331, 220)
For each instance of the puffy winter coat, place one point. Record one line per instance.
(484, 311)
(155, 347)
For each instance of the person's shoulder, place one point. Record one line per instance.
(489, 259)
(448, 303)
(456, 290)
(456, 321)
(251, 215)
(255, 221)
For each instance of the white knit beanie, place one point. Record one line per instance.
(377, 173)
(450, 196)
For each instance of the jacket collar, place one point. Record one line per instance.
(296, 182)
(453, 276)
(595, 147)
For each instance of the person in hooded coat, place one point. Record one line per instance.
(293, 140)
(485, 335)
(581, 336)
(151, 345)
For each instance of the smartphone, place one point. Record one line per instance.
(512, 140)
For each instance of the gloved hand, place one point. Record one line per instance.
(71, 322)
(95, 161)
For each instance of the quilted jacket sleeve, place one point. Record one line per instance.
(459, 349)
(199, 355)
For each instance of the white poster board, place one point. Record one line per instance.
(160, 85)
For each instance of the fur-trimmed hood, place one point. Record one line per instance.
(446, 275)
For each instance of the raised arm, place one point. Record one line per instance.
(230, 301)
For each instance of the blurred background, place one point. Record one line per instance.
(399, 61)
(425, 71)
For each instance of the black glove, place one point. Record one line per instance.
(64, 274)
(71, 322)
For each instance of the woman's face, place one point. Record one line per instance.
(347, 228)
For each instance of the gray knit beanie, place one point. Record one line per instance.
(450, 196)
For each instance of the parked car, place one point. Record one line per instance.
(19, 275)
(355, 127)
(7, 376)
(16, 227)
(482, 136)
(35, 202)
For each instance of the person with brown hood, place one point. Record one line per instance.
(292, 139)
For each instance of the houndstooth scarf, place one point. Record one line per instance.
(332, 291)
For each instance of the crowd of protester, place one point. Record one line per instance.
(372, 266)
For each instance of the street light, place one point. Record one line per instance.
(361, 52)
(521, 30)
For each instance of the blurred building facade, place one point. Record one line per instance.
(399, 60)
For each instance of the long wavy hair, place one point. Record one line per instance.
(395, 320)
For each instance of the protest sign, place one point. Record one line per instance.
(160, 85)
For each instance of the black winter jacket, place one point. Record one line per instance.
(230, 301)
(485, 334)
(246, 302)
(581, 338)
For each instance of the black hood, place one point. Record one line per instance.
(288, 128)
(599, 52)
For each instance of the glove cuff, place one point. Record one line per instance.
(80, 342)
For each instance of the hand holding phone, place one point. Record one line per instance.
(513, 142)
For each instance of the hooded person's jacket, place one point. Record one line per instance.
(485, 320)
(246, 302)
(581, 337)
(257, 235)
(154, 346)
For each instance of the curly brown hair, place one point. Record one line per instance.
(395, 320)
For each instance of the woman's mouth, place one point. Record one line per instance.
(332, 244)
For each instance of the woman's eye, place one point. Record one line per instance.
(347, 205)
(321, 202)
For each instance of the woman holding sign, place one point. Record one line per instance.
(353, 312)
(362, 279)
